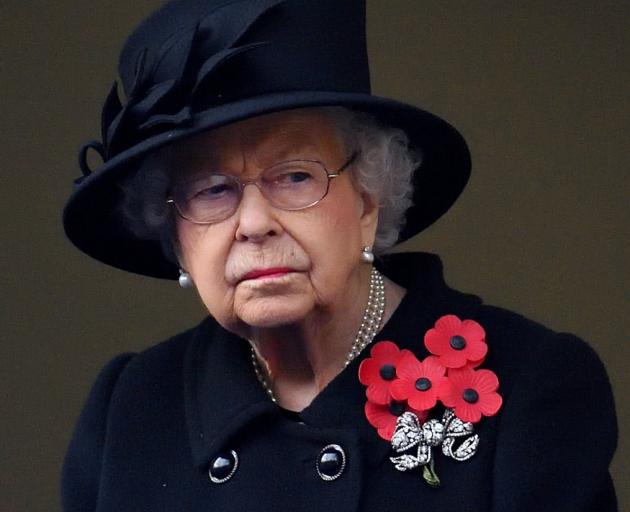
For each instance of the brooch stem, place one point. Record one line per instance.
(429, 475)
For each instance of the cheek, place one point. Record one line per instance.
(334, 244)
(204, 256)
(340, 228)
(193, 249)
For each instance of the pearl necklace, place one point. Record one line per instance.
(370, 324)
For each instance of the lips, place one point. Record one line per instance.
(260, 273)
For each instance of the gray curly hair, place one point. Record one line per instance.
(384, 169)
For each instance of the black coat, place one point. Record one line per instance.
(155, 421)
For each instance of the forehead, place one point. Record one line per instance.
(263, 140)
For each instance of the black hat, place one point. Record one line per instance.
(194, 65)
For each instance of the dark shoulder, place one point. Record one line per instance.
(512, 338)
(160, 360)
(513, 332)
(521, 349)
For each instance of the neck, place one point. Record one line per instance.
(298, 361)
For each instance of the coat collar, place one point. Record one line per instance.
(223, 395)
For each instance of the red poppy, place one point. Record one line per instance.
(472, 393)
(420, 383)
(457, 343)
(383, 417)
(379, 371)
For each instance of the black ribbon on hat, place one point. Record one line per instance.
(83, 156)
(170, 84)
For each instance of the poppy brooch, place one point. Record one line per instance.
(403, 391)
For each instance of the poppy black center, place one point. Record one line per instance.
(396, 408)
(423, 384)
(388, 371)
(458, 342)
(471, 396)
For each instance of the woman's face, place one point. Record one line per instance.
(263, 266)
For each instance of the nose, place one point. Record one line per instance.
(255, 216)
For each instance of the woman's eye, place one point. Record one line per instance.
(216, 190)
(289, 178)
(218, 187)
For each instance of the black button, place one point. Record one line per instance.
(331, 462)
(223, 467)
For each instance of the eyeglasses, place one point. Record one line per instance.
(290, 185)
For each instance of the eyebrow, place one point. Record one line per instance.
(263, 158)
(289, 151)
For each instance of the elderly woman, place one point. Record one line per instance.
(251, 161)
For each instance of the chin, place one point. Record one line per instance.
(273, 312)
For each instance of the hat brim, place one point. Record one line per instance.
(93, 223)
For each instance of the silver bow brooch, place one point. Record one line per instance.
(409, 433)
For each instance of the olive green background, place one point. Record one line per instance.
(538, 88)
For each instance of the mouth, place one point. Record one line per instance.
(267, 273)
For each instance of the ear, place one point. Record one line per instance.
(369, 218)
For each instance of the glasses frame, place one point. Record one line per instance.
(243, 183)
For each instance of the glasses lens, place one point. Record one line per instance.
(295, 184)
(209, 199)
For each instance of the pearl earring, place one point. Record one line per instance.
(185, 281)
(367, 256)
